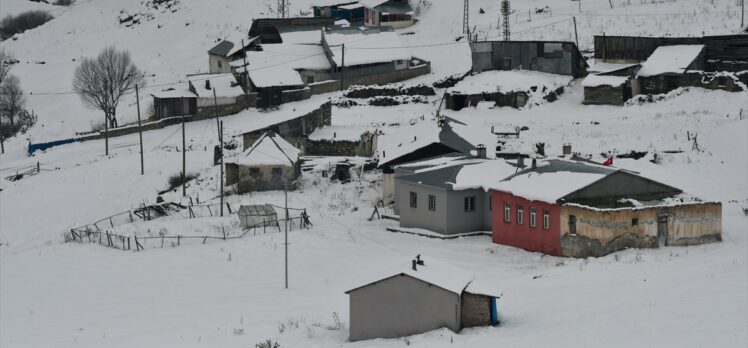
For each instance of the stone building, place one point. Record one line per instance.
(271, 163)
(577, 208)
(198, 99)
(555, 57)
(419, 296)
(341, 141)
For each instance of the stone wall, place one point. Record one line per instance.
(455, 101)
(604, 231)
(207, 109)
(329, 147)
(476, 310)
(665, 83)
(604, 95)
(376, 79)
(295, 130)
(261, 178)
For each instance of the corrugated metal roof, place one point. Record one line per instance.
(222, 49)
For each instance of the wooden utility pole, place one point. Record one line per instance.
(580, 6)
(576, 38)
(106, 134)
(285, 191)
(140, 130)
(184, 152)
(215, 111)
(742, 14)
(342, 66)
(611, 3)
(246, 75)
(220, 127)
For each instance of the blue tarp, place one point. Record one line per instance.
(494, 312)
(44, 146)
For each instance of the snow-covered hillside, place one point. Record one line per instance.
(230, 293)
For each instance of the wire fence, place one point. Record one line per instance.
(99, 233)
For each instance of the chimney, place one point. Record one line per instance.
(207, 84)
(418, 260)
(534, 163)
(414, 265)
(481, 151)
(567, 149)
(521, 162)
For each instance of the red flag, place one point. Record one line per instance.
(609, 161)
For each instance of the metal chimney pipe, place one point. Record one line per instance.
(414, 265)
(534, 163)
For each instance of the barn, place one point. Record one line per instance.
(577, 208)
(555, 57)
(665, 69)
(417, 296)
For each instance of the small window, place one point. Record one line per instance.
(533, 217)
(255, 172)
(546, 219)
(432, 202)
(469, 204)
(310, 79)
(572, 224)
(635, 222)
(507, 212)
(220, 65)
(277, 171)
(413, 200)
(520, 215)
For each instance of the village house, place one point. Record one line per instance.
(269, 29)
(197, 98)
(419, 142)
(665, 69)
(555, 57)
(341, 141)
(419, 296)
(396, 14)
(576, 208)
(450, 198)
(228, 50)
(271, 163)
(610, 83)
(352, 11)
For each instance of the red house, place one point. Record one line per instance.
(577, 208)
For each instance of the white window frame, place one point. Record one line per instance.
(533, 217)
(546, 219)
(520, 215)
(413, 199)
(507, 212)
(432, 203)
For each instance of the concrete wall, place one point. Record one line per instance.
(524, 235)
(421, 216)
(218, 64)
(461, 221)
(604, 95)
(665, 83)
(607, 191)
(401, 306)
(601, 232)
(476, 310)
(264, 180)
(374, 79)
(561, 58)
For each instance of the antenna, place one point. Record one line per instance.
(505, 12)
(466, 17)
(283, 8)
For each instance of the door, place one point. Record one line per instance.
(662, 230)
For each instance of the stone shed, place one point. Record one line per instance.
(418, 296)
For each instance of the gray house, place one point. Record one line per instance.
(228, 50)
(555, 57)
(451, 198)
(419, 296)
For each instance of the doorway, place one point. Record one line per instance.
(662, 230)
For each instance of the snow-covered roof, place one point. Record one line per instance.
(443, 275)
(463, 174)
(231, 44)
(600, 67)
(270, 150)
(351, 6)
(340, 133)
(670, 60)
(553, 179)
(603, 80)
(509, 81)
(372, 3)
(172, 92)
(366, 47)
(277, 64)
(225, 85)
(433, 161)
(390, 147)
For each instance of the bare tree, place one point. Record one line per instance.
(5, 65)
(101, 82)
(12, 100)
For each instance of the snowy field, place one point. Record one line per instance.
(231, 293)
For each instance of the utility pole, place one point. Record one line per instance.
(140, 131)
(742, 14)
(285, 191)
(466, 17)
(342, 67)
(221, 144)
(576, 38)
(184, 153)
(246, 74)
(506, 12)
(611, 3)
(580, 6)
(106, 135)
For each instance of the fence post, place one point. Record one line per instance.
(204, 239)
(137, 248)
(179, 239)
(162, 241)
(123, 242)
(111, 222)
(263, 226)
(130, 215)
(224, 232)
(228, 206)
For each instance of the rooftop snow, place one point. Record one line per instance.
(277, 64)
(178, 92)
(553, 179)
(603, 80)
(337, 133)
(224, 84)
(443, 275)
(465, 174)
(605, 67)
(670, 60)
(270, 150)
(395, 145)
(509, 81)
(367, 48)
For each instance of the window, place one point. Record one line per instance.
(310, 79)
(520, 215)
(255, 172)
(546, 219)
(277, 171)
(470, 203)
(432, 202)
(634, 222)
(220, 65)
(572, 224)
(533, 217)
(413, 200)
(507, 212)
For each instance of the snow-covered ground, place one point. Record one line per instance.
(231, 293)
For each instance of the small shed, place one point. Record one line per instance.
(665, 69)
(610, 83)
(418, 296)
(257, 215)
(174, 101)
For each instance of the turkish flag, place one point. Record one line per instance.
(609, 161)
